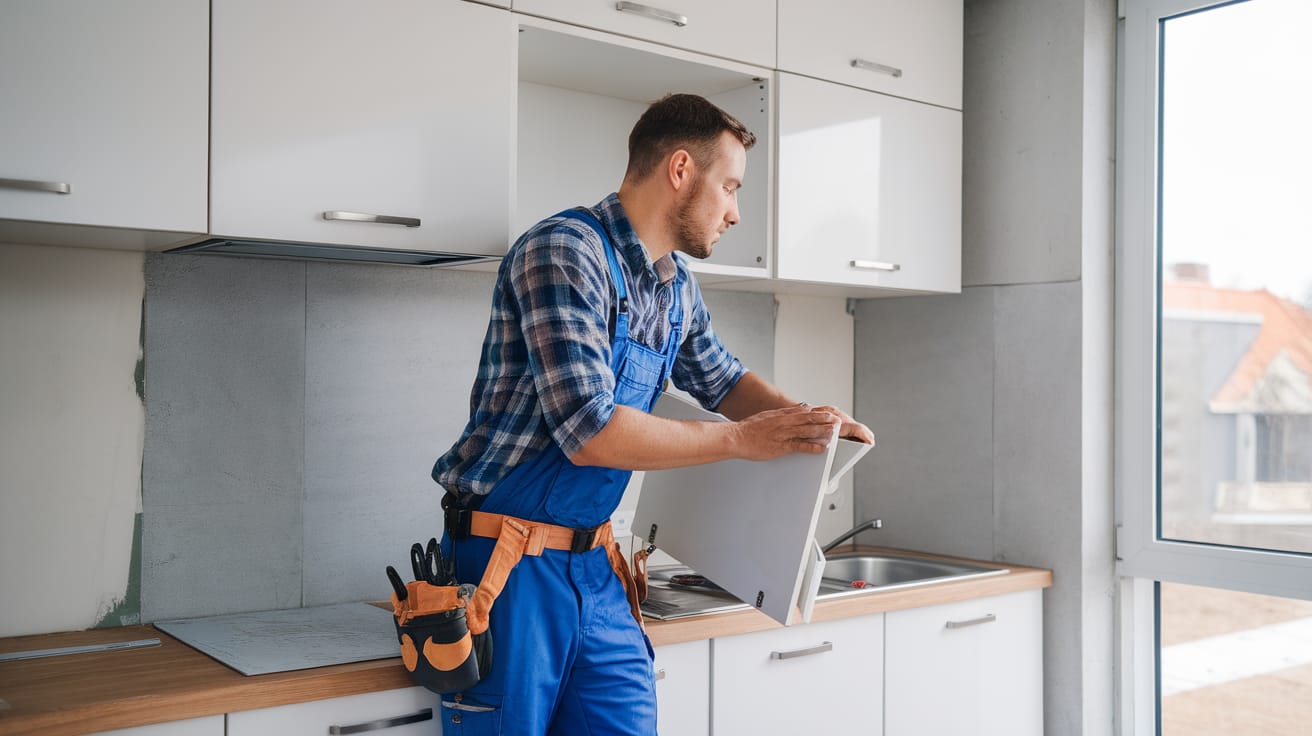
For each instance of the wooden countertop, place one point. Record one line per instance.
(98, 691)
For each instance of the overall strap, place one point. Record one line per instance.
(616, 277)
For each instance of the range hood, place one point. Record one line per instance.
(320, 252)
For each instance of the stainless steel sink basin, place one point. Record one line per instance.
(854, 573)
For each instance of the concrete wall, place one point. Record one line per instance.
(993, 408)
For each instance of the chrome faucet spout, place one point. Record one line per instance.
(863, 526)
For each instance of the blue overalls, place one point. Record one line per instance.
(569, 658)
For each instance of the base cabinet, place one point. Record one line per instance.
(207, 726)
(407, 712)
(984, 657)
(683, 688)
(784, 681)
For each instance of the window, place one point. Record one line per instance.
(1214, 357)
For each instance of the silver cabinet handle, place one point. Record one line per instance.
(821, 649)
(660, 674)
(367, 217)
(875, 266)
(58, 187)
(650, 12)
(424, 715)
(871, 66)
(989, 618)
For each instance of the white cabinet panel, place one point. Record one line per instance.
(984, 657)
(683, 688)
(825, 678)
(404, 709)
(869, 189)
(404, 108)
(734, 29)
(109, 100)
(207, 726)
(908, 48)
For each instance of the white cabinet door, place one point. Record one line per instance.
(406, 712)
(733, 29)
(207, 726)
(982, 657)
(683, 688)
(403, 108)
(825, 678)
(869, 189)
(908, 48)
(108, 104)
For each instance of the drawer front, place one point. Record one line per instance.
(743, 30)
(683, 688)
(778, 681)
(207, 726)
(387, 713)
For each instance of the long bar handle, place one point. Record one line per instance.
(368, 217)
(875, 265)
(424, 715)
(986, 619)
(655, 13)
(827, 646)
(872, 66)
(58, 187)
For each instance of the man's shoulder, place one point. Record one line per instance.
(560, 238)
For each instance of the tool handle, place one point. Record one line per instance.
(398, 586)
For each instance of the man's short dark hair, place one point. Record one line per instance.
(679, 121)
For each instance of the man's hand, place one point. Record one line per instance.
(851, 429)
(776, 432)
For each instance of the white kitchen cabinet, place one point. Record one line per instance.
(907, 48)
(104, 119)
(869, 189)
(824, 678)
(406, 712)
(743, 30)
(329, 112)
(579, 93)
(206, 726)
(966, 667)
(683, 688)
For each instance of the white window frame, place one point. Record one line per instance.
(1140, 553)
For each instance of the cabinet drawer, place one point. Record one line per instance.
(984, 656)
(743, 30)
(406, 712)
(907, 48)
(207, 726)
(779, 681)
(683, 688)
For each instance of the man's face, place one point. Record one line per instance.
(708, 206)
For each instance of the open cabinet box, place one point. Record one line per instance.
(579, 94)
(747, 525)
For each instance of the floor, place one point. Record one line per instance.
(1235, 663)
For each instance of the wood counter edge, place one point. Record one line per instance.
(214, 689)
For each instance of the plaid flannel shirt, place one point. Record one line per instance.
(544, 375)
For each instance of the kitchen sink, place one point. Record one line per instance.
(854, 573)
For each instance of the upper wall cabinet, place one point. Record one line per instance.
(387, 125)
(103, 120)
(907, 48)
(579, 93)
(869, 189)
(743, 30)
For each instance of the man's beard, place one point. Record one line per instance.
(690, 242)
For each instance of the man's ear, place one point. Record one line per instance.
(680, 169)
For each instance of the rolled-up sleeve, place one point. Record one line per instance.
(562, 289)
(704, 367)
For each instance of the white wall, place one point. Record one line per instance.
(71, 435)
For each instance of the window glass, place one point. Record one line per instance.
(1235, 391)
(1234, 663)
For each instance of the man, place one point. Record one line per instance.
(591, 314)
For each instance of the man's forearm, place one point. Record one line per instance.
(750, 395)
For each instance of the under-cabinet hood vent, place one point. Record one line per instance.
(319, 252)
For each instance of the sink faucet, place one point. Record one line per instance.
(872, 524)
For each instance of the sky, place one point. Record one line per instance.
(1237, 145)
